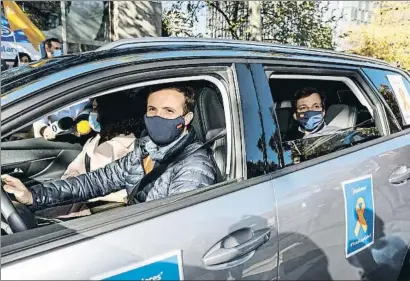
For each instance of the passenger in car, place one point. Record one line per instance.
(114, 122)
(171, 145)
(310, 111)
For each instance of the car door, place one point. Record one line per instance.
(222, 232)
(35, 160)
(319, 206)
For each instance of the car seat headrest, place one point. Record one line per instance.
(341, 115)
(209, 113)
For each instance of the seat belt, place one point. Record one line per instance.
(161, 168)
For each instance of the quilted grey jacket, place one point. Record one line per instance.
(188, 173)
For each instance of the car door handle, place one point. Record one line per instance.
(223, 255)
(400, 175)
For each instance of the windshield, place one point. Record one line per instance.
(12, 74)
(18, 76)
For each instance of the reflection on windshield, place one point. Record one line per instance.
(22, 72)
(16, 71)
(300, 150)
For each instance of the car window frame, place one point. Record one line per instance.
(376, 91)
(363, 99)
(27, 242)
(342, 71)
(325, 69)
(208, 78)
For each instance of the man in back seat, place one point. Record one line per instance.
(309, 109)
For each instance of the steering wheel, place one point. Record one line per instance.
(17, 215)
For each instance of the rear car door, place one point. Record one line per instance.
(325, 229)
(222, 232)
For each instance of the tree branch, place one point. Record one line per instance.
(233, 33)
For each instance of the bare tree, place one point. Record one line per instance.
(287, 22)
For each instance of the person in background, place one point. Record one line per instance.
(52, 47)
(114, 124)
(43, 127)
(24, 58)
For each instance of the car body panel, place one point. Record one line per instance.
(312, 212)
(311, 204)
(187, 229)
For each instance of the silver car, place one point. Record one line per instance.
(335, 206)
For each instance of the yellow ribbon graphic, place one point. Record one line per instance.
(361, 221)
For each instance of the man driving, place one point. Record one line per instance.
(309, 113)
(170, 139)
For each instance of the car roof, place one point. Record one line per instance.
(244, 45)
(34, 76)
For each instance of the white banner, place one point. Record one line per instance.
(402, 96)
(14, 42)
(9, 50)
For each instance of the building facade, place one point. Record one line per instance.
(87, 25)
(349, 13)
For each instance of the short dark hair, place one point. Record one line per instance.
(186, 90)
(19, 56)
(117, 115)
(48, 41)
(307, 91)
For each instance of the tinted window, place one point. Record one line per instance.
(380, 80)
(270, 125)
(254, 136)
(112, 135)
(343, 118)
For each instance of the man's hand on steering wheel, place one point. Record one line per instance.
(16, 187)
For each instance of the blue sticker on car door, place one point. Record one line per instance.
(360, 214)
(166, 267)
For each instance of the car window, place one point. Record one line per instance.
(122, 117)
(320, 116)
(395, 89)
(253, 132)
(64, 123)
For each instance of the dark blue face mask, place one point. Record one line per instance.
(164, 131)
(310, 120)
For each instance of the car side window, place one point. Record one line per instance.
(395, 89)
(318, 116)
(253, 133)
(63, 125)
(121, 118)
